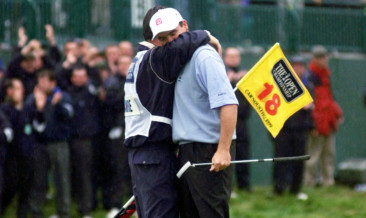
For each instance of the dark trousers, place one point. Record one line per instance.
(40, 181)
(2, 160)
(204, 193)
(289, 143)
(242, 153)
(57, 157)
(81, 153)
(111, 172)
(18, 176)
(153, 170)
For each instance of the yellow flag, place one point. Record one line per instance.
(274, 90)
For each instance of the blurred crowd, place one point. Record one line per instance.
(63, 113)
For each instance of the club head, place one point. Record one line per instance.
(183, 169)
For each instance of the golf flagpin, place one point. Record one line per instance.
(274, 90)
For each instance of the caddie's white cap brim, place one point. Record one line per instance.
(164, 20)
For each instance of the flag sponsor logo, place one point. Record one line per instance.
(286, 82)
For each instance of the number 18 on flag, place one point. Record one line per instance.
(274, 90)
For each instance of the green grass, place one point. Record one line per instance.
(332, 202)
(337, 201)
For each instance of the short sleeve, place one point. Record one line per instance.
(211, 76)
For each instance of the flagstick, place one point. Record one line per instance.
(236, 88)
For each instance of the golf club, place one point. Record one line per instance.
(123, 212)
(276, 159)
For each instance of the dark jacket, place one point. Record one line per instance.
(29, 79)
(112, 108)
(302, 120)
(84, 123)
(64, 75)
(57, 118)
(6, 135)
(158, 71)
(24, 141)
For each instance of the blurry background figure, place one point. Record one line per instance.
(19, 160)
(291, 141)
(53, 111)
(111, 171)
(2, 71)
(84, 127)
(2, 76)
(364, 96)
(28, 59)
(112, 53)
(126, 48)
(327, 115)
(232, 60)
(6, 137)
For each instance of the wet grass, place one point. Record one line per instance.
(337, 201)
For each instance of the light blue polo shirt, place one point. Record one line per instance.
(200, 91)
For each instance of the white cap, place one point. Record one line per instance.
(166, 19)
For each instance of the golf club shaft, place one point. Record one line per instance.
(276, 159)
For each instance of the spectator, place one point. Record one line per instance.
(112, 53)
(18, 171)
(95, 57)
(327, 115)
(111, 157)
(6, 137)
(84, 126)
(24, 65)
(124, 62)
(2, 76)
(2, 71)
(63, 70)
(54, 52)
(54, 111)
(84, 47)
(291, 141)
(77, 52)
(232, 60)
(91, 57)
(126, 49)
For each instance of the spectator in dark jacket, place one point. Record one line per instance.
(25, 64)
(112, 53)
(53, 110)
(54, 52)
(76, 52)
(111, 165)
(291, 141)
(232, 60)
(6, 136)
(2, 71)
(19, 160)
(84, 127)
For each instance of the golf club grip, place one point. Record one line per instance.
(123, 210)
(303, 157)
(120, 213)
